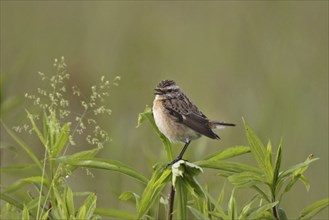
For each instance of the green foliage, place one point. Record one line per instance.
(267, 179)
(51, 196)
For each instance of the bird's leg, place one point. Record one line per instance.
(180, 156)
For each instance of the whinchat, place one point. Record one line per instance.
(179, 119)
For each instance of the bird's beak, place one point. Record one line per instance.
(157, 91)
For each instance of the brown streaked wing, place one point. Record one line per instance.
(199, 124)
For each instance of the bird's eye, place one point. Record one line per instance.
(169, 90)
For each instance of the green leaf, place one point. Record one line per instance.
(105, 164)
(268, 162)
(181, 197)
(16, 168)
(246, 179)
(148, 114)
(183, 169)
(305, 182)
(81, 155)
(153, 189)
(89, 206)
(61, 140)
(197, 213)
(59, 208)
(194, 187)
(256, 146)
(246, 209)
(46, 215)
(310, 211)
(24, 146)
(114, 213)
(22, 182)
(10, 212)
(262, 193)
(216, 205)
(232, 209)
(233, 167)
(229, 153)
(11, 201)
(36, 129)
(185, 172)
(281, 214)
(299, 168)
(69, 201)
(130, 196)
(34, 202)
(25, 214)
(259, 212)
(82, 213)
(295, 174)
(277, 164)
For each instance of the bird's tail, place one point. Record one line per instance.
(219, 125)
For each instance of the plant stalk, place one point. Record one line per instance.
(171, 202)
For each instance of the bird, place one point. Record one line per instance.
(179, 119)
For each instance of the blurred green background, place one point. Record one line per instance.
(266, 61)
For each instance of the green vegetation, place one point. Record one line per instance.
(50, 196)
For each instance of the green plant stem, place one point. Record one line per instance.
(275, 212)
(171, 202)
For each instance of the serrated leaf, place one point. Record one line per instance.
(310, 211)
(229, 153)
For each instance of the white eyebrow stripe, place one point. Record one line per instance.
(172, 87)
